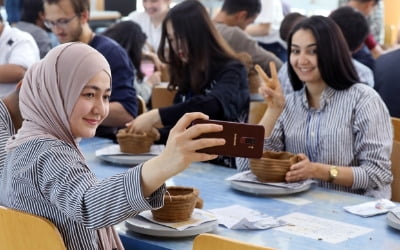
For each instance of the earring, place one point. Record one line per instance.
(180, 53)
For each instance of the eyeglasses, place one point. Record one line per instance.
(60, 23)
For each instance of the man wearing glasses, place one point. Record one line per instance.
(68, 20)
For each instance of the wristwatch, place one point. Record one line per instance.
(333, 173)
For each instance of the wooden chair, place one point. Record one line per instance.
(396, 128)
(396, 160)
(162, 97)
(141, 105)
(211, 241)
(19, 230)
(390, 35)
(256, 111)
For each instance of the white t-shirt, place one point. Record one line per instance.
(271, 12)
(153, 33)
(17, 47)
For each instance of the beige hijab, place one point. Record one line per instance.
(48, 95)
(50, 90)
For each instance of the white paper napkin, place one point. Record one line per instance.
(396, 212)
(239, 217)
(371, 208)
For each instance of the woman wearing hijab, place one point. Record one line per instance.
(64, 97)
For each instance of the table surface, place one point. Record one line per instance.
(6, 88)
(217, 193)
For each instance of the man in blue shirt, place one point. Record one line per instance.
(13, 10)
(68, 20)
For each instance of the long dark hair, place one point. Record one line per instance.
(131, 37)
(206, 48)
(252, 7)
(31, 10)
(333, 55)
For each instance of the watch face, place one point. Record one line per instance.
(334, 172)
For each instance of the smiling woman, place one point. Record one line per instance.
(339, 128)
(65, 97)
(92, 106)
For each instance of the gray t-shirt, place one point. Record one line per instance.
(40, 35)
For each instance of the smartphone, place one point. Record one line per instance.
(242, 139)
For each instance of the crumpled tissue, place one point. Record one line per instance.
(239, 217)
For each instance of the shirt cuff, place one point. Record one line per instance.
(360, 178)
(134, 194)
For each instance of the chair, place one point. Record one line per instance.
(19, 230)
(162, 97)
(395, 158)
(396, 128)
(141, 105)
(211, 241)
(391, 21)
(256, 111)
(390, 35)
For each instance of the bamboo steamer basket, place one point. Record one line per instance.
(179, 203)
(272, 166)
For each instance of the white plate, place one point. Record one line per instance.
(141, 225)
(114, 155)
(393, 221)
(126, 159)
(260, 189)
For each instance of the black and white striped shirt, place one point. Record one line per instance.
(351, 128)
(6, 130)
(47, 177)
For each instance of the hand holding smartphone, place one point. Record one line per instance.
(242, 139)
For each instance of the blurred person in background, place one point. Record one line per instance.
(131, 37)
(367, 7)
(18, 51)
(204, 70)
(231, 22)
(13, 10)
(265, 28)
(150, 20)
(32, 21)
(68, 20)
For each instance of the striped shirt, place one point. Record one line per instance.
(351, 128)
(6, 130)
(47, 177)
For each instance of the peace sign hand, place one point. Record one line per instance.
(272, 82)
(271, 90)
